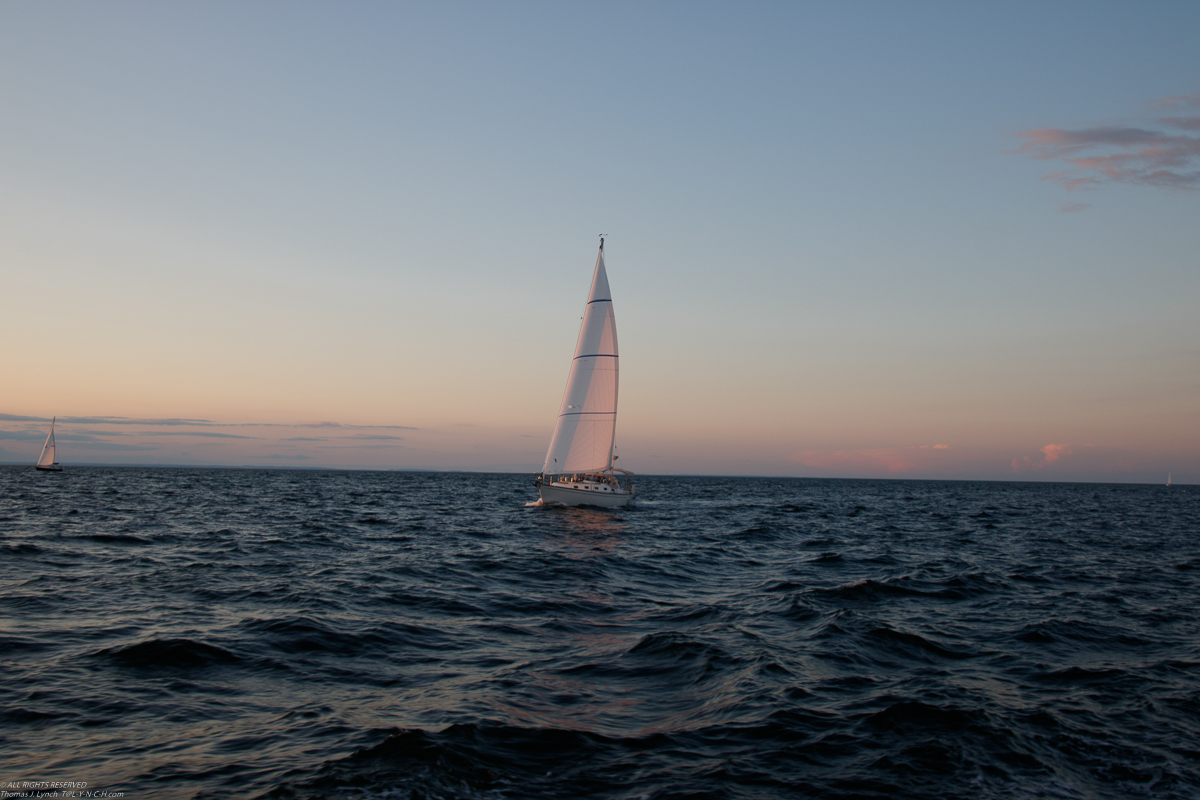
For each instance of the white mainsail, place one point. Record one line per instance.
(587, 420)
(46, 459)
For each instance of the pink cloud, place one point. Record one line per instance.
(1114, 154)
(1177, 100)
(1187, 123)
(872, 460)
(1054, 451)
(1048, 455)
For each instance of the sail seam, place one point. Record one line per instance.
(576, 413)
(600, 300)
(597, 355)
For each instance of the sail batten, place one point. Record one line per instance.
(587, 418)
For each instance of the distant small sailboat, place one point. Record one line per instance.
(579, 464)
(46, 461)
(1168, 479)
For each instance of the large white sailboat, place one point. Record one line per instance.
(579, 465)
(46, 461)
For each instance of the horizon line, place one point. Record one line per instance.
(534, 472)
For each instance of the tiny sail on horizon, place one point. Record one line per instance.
(582, 445)
(46, 461)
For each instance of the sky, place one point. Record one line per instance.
(863, 239)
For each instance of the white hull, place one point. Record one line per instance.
(595, 496)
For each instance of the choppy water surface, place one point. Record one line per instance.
(173, 633)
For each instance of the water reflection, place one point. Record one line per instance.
(586, 532)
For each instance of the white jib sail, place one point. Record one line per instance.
(47, 456)
(587, 420)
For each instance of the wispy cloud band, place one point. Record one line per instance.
(198, 423)
(1136, 155)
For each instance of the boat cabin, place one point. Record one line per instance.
(589, 481)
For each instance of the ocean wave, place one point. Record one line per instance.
(157, 654)
(390, 635)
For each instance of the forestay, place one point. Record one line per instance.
(583, 436)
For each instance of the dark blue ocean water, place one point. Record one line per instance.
(240, 633)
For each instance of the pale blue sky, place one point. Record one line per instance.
(820, 238)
